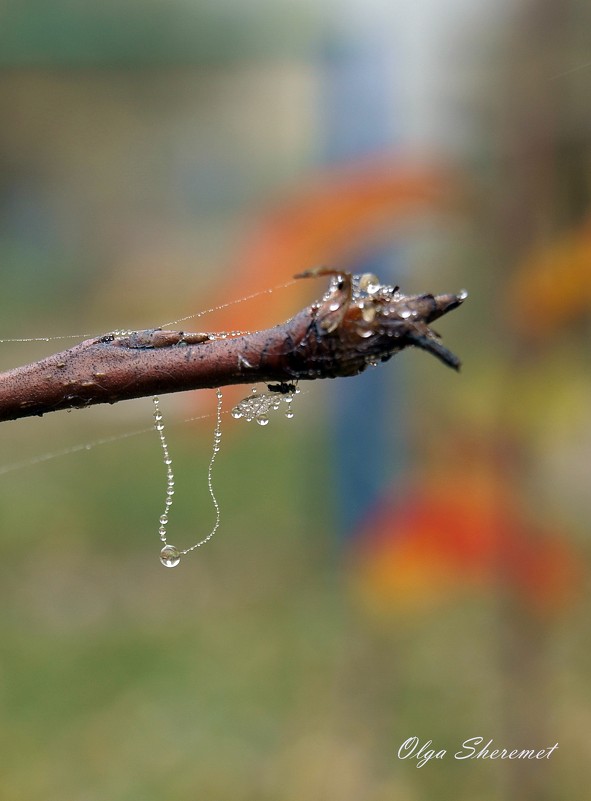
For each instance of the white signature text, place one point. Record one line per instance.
(473, 748)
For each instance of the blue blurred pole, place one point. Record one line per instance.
(367, 431)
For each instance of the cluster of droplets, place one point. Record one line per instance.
(258, 406)
(366, 290)
(363, 287)
(228, 334)
(122, 332)
(170, 556)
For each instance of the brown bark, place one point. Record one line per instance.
(337, 336)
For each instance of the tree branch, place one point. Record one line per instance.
(358, 321)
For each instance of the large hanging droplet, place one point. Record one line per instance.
(170, 556)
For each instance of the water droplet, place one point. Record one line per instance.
(462, 294)
(369, 283)
(289, 414)
(405, 314)
(368, 312)
(334, 306)
(170, 556)
(236, 413)
(262, 421)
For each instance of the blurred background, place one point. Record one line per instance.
(409, 555)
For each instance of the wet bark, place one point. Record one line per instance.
(339, 335)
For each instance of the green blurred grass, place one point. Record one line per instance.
(247, 673)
